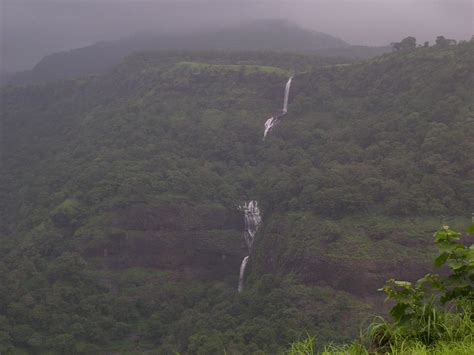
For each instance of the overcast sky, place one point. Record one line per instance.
(31, 29)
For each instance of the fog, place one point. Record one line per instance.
(32, 29)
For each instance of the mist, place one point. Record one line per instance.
(31, 30)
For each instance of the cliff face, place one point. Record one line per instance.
(358, 277)
(355, 255)
(200, 242)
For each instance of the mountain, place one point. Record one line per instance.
(264, 35)
(120, 227)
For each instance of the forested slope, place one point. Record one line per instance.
(119, 195)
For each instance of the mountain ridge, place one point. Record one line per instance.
(264, 35)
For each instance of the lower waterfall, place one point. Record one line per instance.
(243, 265)
(252, 220)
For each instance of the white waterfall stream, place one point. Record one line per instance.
(272, 121)
(252, 217)
(240, 288)
(287, 93)
(252, 220)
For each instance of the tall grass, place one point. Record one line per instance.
(434, 333)
(303, 347)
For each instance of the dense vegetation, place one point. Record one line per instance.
(119, 197)
(433, 316)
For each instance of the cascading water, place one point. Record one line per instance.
(272, 121)
(268, 126)
(252, 220)
(240, 288)
(287, 93)
(252, 217)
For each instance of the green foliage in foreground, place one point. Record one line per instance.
(458, 340)
(434, 316)
(465, 347)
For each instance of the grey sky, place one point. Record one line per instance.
(31, 29)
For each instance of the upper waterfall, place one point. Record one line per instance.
(268, 126)
(272, 121)
(287, 93)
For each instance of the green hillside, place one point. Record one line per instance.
(119, 197)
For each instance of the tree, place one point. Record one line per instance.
(443, 42)
(408, 43)
(456, 287)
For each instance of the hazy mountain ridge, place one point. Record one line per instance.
(265, 35)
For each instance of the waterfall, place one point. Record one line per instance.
(240, 288)
(252, 217)
(272, 121)
(252, 220)
(268, 126)
(287, 93)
